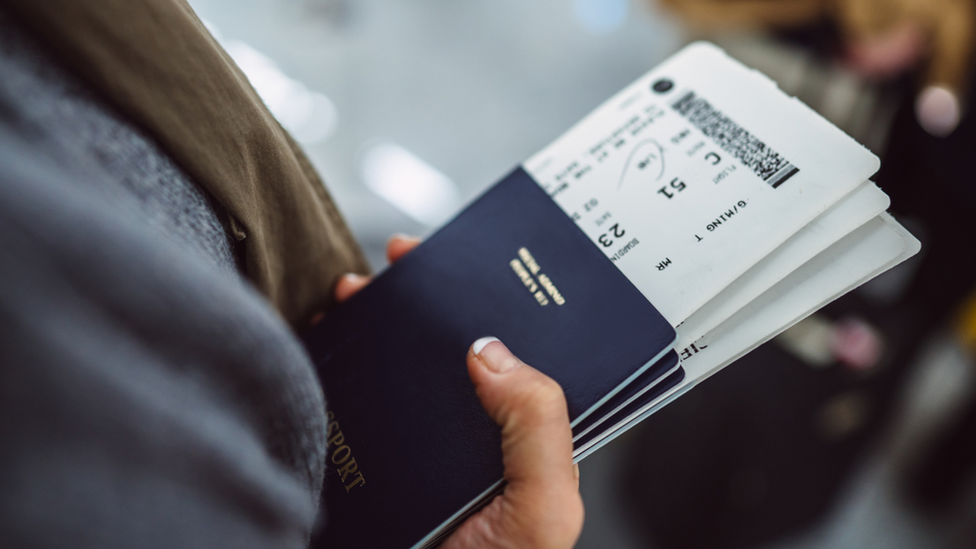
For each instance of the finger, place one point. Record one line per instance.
(399, 245)
(531, 410)
(349, 284)
(537, 445)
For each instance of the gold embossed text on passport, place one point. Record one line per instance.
(529, 272)
(340, 454)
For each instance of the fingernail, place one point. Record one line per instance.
(402, 236)
(576, 471)
(353, 278)
(480, 344)
(497, 358)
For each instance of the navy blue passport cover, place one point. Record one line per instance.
(633, 392)
(622, 419)
(392, 360)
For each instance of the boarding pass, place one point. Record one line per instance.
(695, 172)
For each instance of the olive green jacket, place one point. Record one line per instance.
(155, 61)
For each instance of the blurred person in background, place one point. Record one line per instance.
(941, 472)
(879, 39)
(763, 451)
(162, 238)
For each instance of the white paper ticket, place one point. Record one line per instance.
(869, 250)
(694, 173)
(864, 203)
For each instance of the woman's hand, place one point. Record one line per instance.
(541, 506)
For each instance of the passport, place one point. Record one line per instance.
(700, 202)
(637, 391)
(410, 446)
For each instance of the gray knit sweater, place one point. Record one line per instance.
(148, 396)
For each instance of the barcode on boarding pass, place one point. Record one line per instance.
(768, 164)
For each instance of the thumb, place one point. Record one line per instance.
(530, 408)
(541, 506)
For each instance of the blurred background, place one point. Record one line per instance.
(857, 428)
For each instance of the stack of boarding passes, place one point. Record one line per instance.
(734, 208)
